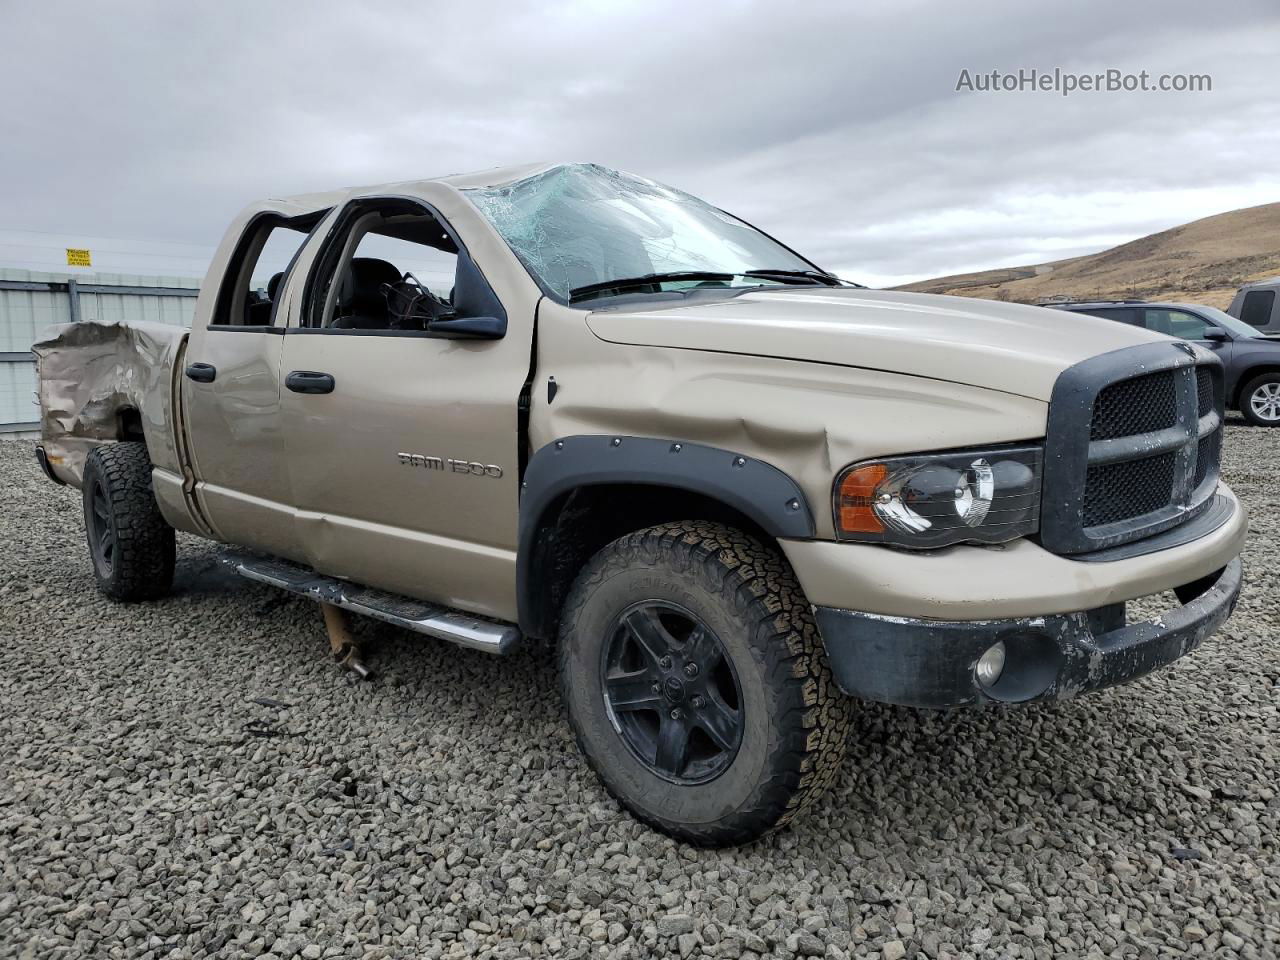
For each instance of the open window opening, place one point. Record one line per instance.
(254, 277)
(394, 267)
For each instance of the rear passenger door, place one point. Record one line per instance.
(402, 446)
(231, 390)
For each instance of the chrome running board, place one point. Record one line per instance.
(491, 636)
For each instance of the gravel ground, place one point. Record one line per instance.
(195, 778)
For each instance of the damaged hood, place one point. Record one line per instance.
(983, 343)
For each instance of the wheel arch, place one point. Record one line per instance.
(129, 425)
(582, 492)
(1246, 377)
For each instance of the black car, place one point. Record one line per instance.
(1252, 358)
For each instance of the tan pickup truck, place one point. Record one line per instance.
(566, 404)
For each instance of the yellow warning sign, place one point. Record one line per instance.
(78, 258)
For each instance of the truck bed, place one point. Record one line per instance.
(102, 382)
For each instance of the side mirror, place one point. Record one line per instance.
(483, 316)
(468, 328)
(1215, 335)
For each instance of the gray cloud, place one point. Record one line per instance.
(836, 127)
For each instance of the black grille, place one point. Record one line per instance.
(1204, 390)
(1206, 456)
(1140, 405)
(1209, 449)
(1122, 491)
(1133, 488)
(1124, 460)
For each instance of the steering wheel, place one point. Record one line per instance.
(411, 306)
(422, 288)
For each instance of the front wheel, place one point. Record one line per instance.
(1260, 400)
(131, 546)
(697, 684)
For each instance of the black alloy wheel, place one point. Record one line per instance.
(697, 684)
(102, 538)
(671, 692)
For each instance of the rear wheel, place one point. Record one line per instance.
(697, 684)
(1260, 400)
(130, 545)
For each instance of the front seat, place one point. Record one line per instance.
(261, 311)
(362, 303)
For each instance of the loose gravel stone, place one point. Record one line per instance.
(807, 945)
(194, 778)
(674, 924)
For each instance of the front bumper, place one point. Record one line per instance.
(1018, 579)
(931, 663)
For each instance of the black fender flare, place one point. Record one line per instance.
(759, 490)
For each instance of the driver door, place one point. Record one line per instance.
(402, 447)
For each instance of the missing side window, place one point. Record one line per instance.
(254, 277)
(393, 266)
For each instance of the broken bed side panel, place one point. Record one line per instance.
(94, 378)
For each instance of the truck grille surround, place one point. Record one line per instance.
(1132, 447)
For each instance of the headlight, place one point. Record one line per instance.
(932, 500)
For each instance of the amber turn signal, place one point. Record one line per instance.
(856, 498)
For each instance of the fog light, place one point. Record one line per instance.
(991, 665)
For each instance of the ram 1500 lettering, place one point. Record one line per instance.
(568, 404)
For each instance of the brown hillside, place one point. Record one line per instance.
(1202, 262)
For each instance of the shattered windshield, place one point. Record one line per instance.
(577, 227)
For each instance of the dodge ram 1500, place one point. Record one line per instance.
(566, 404)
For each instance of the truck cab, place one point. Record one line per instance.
(323, 427)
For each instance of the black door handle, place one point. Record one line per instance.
(308, 381)
(201, 372)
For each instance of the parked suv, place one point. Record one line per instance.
(1251, 357)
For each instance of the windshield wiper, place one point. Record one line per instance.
(587, 291)
(816, 276)
(590, 290)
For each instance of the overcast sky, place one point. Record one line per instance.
(139, 129)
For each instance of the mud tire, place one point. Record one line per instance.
(131, 547)
(794, 719)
